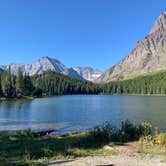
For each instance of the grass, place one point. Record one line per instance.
(27, 148)
(150, 148)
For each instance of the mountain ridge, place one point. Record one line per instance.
(88, 73)
(46, 63)
(148, 55)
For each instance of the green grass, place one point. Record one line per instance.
(27, 148)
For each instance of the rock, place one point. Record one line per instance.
(106, 147)
(149, 55)
(88, 73)
(47, 63)
(42, 65)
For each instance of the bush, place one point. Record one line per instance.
(25, 133)
(129, 131)
(37, 92)
(146, 129)
(46, 152)
(103, 133)
(160, 139)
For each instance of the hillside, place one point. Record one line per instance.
(43, 64)
(88, 73)
(1, 70)
(46, 63)
(52, 83)
(153, 83)
(148, 55)
(46, 84)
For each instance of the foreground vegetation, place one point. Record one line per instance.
(27, 148)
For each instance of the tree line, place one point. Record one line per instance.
(46, 84)
(149, 84)
(12, 86)
(52, 83)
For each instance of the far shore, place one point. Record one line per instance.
(32, 97)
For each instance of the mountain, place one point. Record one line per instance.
(88, 73)
(42, 65)
(149, 55)
(1, 70)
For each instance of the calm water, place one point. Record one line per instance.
(74, 112)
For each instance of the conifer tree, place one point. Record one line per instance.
(6, 83)
(1, 93)
(20, 83)
(28, 86)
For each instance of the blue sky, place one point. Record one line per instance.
(96, 33)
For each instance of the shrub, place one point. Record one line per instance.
(160, 139)
(103, 133)
(37, 92)
(25, 133)
(46, 152)
(146, 129)
(129, 131)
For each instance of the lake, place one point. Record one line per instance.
(80, 112)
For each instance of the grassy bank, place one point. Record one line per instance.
(17, 98)
(27, 148)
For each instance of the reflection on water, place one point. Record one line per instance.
(80, 111)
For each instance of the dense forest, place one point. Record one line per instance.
(52, 83)
(154, 83)
(47, 84)
(12, 86)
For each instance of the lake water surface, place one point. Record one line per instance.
(80, 112)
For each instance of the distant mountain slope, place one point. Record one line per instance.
(42, 65)
(153, 83)
(46, 63)
(148, 55)
(1, 70)
(88, 73)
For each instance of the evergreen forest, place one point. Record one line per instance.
(51, 83)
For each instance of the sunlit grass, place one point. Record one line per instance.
(27, 148)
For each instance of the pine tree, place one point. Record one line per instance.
(28, 86)
(1, 93)
(7, 87)
(19, 83)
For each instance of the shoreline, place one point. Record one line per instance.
(32, 97)
(28, 148)
(47, 132)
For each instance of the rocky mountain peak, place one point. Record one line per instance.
(88, 73)
(160, 23)
(46, 63)
(147, 56)
(43, 64)
(52, 64)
